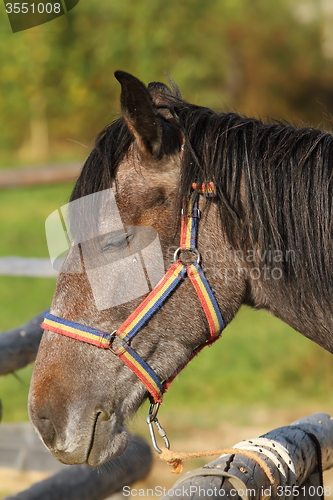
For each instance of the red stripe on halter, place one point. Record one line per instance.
(154, 391)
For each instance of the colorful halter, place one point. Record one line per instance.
(154, 300)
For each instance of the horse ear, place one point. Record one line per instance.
(139, 113)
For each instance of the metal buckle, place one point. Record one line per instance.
(194, 215)
(117, 350)
(176, 255)
(152, 419)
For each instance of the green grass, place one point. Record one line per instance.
(258, 362)
(22, 298)
(14, 390)
(22, 216)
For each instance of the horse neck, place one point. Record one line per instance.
(253, 277)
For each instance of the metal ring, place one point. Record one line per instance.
(176, 255)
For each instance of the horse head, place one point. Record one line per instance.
(80, 395)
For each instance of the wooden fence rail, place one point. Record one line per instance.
(81, 482)
(47, 174)
(19, 346)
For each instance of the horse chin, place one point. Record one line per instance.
(105, 441)
(109, 435)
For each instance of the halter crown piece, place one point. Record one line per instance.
(150, 305)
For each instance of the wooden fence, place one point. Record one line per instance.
(283, 464)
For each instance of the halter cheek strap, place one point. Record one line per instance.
(150, 305)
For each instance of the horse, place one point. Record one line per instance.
(259, 194)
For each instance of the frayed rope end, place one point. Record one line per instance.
(173, 461)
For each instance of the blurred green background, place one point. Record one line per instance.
(57, 90)
(253, 56)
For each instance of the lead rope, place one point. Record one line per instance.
(175, 459)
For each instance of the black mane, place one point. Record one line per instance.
(274, 190)
(100, 168)
(273, 182)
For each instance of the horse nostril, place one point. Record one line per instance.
(46, 430)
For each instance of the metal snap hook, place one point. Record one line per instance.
(151, 420)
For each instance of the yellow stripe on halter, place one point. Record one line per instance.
(205, 298)
(152, 298)
(76, 331)
(139, 369)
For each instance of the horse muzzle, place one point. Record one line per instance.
(93, 440)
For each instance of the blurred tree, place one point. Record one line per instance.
(253, 56)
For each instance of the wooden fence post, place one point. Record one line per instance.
(293, 454)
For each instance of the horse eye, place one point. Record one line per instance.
(117, 241)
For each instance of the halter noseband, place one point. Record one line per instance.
(154, 300)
